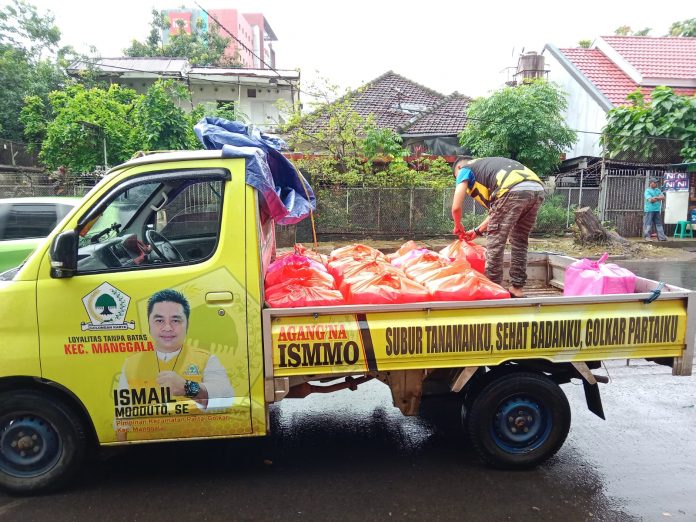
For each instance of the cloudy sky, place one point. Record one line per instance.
(444, 45)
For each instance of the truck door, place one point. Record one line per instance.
(150, 332)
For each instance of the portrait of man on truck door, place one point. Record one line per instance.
(184, 372)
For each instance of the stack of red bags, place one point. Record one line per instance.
(365, 276)
(455, 274)
(300, 279)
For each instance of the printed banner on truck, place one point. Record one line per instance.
(157, 363)
(475, 337)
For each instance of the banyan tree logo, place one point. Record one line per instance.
(107, 307)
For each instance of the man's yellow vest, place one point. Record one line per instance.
(494, 181)
(142, 369)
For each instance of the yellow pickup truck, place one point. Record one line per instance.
(141, 318)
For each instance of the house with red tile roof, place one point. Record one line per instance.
(601, 77)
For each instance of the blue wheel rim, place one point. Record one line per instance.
(29, 446)
(521, 424)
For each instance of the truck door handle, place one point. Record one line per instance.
(218, 297)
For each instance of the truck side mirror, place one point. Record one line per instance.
(64, 255)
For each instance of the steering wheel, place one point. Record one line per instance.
(162, 247)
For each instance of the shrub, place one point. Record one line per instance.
(552, 216)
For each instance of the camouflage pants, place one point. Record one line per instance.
(513, 216)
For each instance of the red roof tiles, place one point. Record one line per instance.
(606, 76)
(666, 57)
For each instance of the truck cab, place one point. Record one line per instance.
(76, 328)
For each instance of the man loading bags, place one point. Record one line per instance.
(512, 193)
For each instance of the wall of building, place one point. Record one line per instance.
(265, 49)
(235, 23)
(242, 26)
(260, 110)
(584, 113)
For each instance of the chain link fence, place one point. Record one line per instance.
(385, 212)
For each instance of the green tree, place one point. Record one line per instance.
(625, 30)
(683, 28)
(524, 123)
(200, 47)
(31, 62)
(82, 120)
(382, 142)
(637, 129)
(160, 121)
(333, 131)
(585, 44)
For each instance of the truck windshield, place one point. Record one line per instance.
(118, 214)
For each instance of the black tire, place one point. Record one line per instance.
(42, 442)
(519, 420)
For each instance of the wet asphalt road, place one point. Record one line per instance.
(352, 456)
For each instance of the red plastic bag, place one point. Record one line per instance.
(300, 293)
(467, 286)
(403, 249)
(338, 266)
(473, 253)
(385, 289)
(304, 273)
(300, 249)
(290, 267)
(423, 258)
(413, 254)
(432, 271)
(369, 268)
(358, 274)
(355, 250)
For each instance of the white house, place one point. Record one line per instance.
(600, 78)
(255, 93)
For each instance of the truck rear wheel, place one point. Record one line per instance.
(519, 420)
(42, 443)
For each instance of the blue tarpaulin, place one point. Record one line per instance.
(285, 193)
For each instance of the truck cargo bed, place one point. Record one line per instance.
(545, 325)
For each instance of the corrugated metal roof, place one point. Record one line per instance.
(288, 74)
(128, 65)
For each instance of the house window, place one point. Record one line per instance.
(251, 93)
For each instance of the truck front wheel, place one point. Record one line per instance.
(42, 443)
(519, 420)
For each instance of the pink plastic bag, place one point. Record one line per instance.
(585, 277)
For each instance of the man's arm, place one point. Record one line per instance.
(218, 389)
(457, 202)
(484, 224)
(215, 388)
(471, 234)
